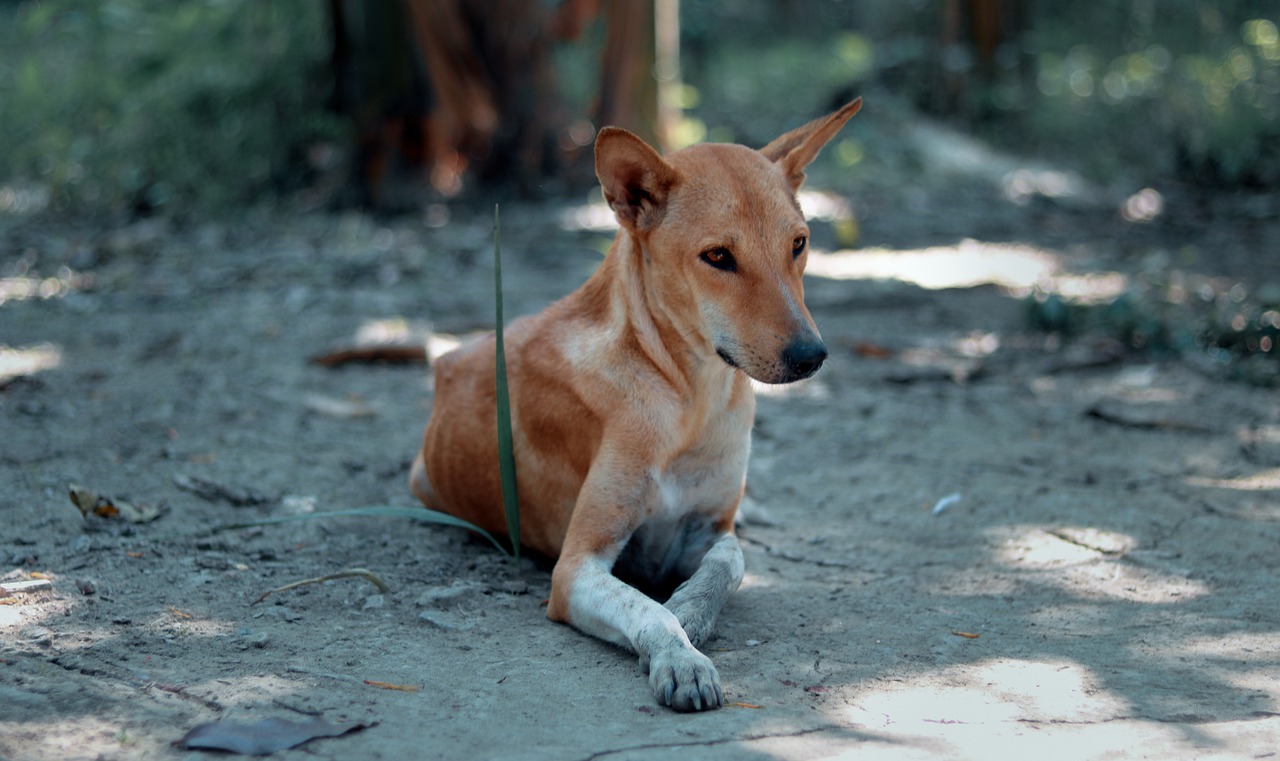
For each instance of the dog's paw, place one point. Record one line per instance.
(685, 679)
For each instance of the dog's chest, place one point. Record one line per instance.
(689, 499)
(696, 485)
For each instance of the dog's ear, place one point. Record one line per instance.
(794, 150)
(636, 180)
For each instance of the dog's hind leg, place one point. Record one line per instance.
(418, 483)
(697, 601)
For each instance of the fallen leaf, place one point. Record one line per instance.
(967, 635)
(742, 705)
(264, 737)
(872, 351)
(389, 686)
(387, 354)
(90, 502)
(179, 613)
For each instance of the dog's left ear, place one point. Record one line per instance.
(796, 149)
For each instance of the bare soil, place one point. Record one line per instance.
(1103, 586)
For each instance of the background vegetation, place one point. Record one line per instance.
(138, 105)
(180, 105)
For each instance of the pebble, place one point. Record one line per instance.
(256, 639)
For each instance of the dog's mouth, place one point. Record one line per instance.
(799, 360)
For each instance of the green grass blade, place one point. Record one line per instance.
(416, 513)
(506, 444)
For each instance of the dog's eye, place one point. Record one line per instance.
(720, 258)
(797, 245)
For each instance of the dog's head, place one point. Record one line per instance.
(721, 232)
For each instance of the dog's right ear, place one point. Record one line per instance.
(636, 180)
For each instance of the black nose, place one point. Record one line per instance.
(803, 357)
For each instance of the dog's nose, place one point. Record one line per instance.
(803, 357)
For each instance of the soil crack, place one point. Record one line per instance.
(714, 742)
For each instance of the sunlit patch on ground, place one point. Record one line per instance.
(16, 362)
(1266, 480)
(27, 287)
(595, 216)
(1093, 563)
(969, 264)
(440, 344)
(992, 692)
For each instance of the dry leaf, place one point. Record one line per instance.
(872, 351)
(90, 502)
(388, 354)
(389, 686)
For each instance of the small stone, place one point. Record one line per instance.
(213, 562)
(752, 643)
(374, 602)
(254, 639)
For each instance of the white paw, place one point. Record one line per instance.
(685, 679)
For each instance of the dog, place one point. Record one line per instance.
(631, 398)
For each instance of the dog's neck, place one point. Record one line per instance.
(678, 353)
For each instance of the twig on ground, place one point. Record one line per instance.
(363, 573)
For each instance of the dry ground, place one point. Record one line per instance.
(1104, 587)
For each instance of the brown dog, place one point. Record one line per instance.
(631, 400)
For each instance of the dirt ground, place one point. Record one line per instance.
(1100, 581)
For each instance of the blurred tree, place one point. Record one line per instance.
(448, 85)
(977, 37)
(459, 87)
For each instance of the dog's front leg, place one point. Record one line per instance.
(696, 603)
(601, 605)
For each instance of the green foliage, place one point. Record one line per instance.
(1124, 89)
(140, 104)
(1172, 86)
